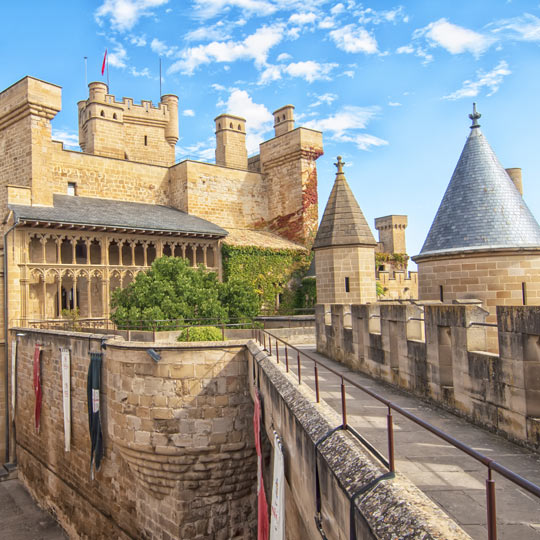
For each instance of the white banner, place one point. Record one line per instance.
(13, 378)
(66, 392)
(277, 519)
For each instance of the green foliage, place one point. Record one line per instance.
(306, 295)
(397, 260)
(240, 299)
(268, 271)
(73, 316)
(200, 333)
(380, 289)
(171, 289)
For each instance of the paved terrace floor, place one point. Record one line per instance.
(21, 518)
(449, 477)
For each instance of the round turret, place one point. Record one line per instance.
(171, 131)
(98, 91)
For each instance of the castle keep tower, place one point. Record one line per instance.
(231, 141)
(344, 249)
(484, 242)
(284, 120)
(391, 233)
(124, 130)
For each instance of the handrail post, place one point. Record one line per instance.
(270, 344)
(299, 367)
(491, 507)
(286, 359)
(316, 382)
(343, 405)
(390, 427)
(264, 339)
(277, 351)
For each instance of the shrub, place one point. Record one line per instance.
(200, 333)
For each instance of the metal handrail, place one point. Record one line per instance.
(491, 464)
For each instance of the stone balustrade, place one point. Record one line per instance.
(438, 352)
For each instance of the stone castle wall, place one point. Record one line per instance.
(495, 279)
(439, 352)
(229, 197)
(401, 285)
(179, 455)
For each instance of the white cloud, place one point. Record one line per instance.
(338, 8)
(118, 56)
(207, 9)
(406, 49)
(70, 139)
(138, 41)
(349, 73)
(455, 39)
(417, 51)
(203, 150)
(326, 23)
(283, 57)
(255, 47)
(371, 16)
(524, 28)
(218, 87)
(303, 18)
(344, 126)
(328, 99)
(394, 104)
(124, 14)
(491, 81)
(208, 33)
(271, 73)
(161, 48)
(309, 70)
(188, 112)
(354, 39)
(259, 120)
(143, 73)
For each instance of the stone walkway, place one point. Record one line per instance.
(449, 477)
(21, 518)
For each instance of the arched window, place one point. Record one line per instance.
(102, 113)
(239, 127)
(230, 125)
(114, 116)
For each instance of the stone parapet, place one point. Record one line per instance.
(439, 352)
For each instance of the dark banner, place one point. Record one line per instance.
(37, 386)
(94, 417)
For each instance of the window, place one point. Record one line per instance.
(146, 140)
(524, 292)
(71, 188)
(441, 293)
(347, 287)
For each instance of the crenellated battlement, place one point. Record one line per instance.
(126, 130)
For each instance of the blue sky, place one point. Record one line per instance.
(389, 84)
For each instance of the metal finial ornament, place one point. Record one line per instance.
(474, 117)
(339, 164)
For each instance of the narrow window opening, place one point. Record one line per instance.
(347, 286)
(102, 113)
(230, 125)
(146, 140)
(239, 127)
(72, 189)
(441, 293)
(524, 293)
(114, 116)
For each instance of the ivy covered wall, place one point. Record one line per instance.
(272, 272)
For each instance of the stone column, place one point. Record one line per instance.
(105, 296)
(74, 292)
(59, 250)
(204, 256)
(59, 295)
(89, 296)
(120, 244)
(132, 246)
(145, 251)
(159, 248)
(73, 253)
(87, 243)
(44, 297)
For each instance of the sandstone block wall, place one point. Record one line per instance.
(179, 456)
(438, 352)
(337, 263)
(225, 196)
(401, 285)
(495, 279)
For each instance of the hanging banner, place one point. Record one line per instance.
(94, 418)
(66, 396)
(37, 386)
(13, 378)
(277, 517)
(262, 507)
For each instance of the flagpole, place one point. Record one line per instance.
(108, 86)
(160, 78)
(86, 70)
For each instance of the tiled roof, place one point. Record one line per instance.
(88, 211)
(481, 209)
(343, 222)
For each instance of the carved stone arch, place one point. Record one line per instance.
(81, 273)
(37, 274)
(67, 273)
(97, 273)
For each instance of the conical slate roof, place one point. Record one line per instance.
(343, 222)
(482, 208)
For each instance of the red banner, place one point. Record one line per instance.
(104, 63)
(37, 385)
(261, 495)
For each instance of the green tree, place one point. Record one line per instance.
(171, 289)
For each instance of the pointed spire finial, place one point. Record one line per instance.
(339, 165)
(475, 116)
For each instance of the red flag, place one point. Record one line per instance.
(262, 505)
(37, 385)
(104, 62)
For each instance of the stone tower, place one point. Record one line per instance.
(484, 242)
(231, 141)
(124, 130)
(344, 249)
(392, 233)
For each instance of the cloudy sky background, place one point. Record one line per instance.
(389, 84)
